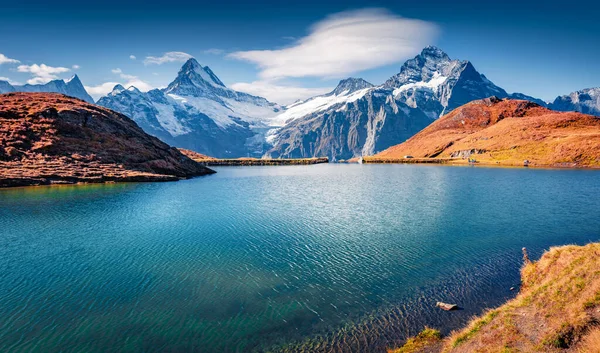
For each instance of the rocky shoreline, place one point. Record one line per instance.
(48, 138)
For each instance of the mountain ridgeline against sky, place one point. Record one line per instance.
(71, 87)
(586, 101)
(357, 122)
(197, 111)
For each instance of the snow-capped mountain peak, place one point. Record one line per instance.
(350, 85)
(586, 101)
(347, 91)
(117, 89)
(197, 111)
(193, 78)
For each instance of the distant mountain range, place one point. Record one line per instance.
(359, 119)
(586, 101)
(198, 112)
(71, 87)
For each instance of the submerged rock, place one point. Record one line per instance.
(446, 306)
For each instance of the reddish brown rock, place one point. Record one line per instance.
(504, 132)
(48, 138)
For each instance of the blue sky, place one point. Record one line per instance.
(284, 49)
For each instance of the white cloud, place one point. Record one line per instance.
(132, 57)
(214, 51)
(2, 78)
(75, 67)
(279, 93)
(130, 80)
(5, 60)
(42, 73)
(124, 75)
(345, 43)
(172, 56)
(100, 90)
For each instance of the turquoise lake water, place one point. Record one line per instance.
(336, 258)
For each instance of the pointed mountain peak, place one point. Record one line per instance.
(191, 64)
(74, 79)
(350, 85)
(117, 89)
(194, 77)
(133, 89)
(435, 53)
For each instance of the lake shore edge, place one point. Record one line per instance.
(464, 162)
(556, 310)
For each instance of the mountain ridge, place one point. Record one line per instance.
(71, 87)
(506, 132)
(370, 120)
(197, 111)
(49, 138)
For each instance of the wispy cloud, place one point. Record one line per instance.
(172, 56)
(42, 73)
(75, 67)
(123, 75)
(6, 60)
(214, 51)
(345, 43)
(283, 94)
(132, 57)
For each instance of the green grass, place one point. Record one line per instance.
(475, 327)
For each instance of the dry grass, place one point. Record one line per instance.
(427, 340)
(591, 343)
(557, 310)
(48, 138)
(506, 132)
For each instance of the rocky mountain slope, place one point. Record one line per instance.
(349, 123)
(506, 132)
(586, 101)
(198, 112)
(71, 87)
(50, 138)
(358, 119)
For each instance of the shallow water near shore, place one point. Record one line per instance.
(346, 258)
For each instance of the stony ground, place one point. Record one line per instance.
(48, 138)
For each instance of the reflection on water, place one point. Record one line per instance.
(296, 258)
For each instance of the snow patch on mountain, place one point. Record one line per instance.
(433, 84)
(347, 91)
(585, 101)
(199, 112)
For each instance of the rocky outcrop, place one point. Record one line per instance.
(50, 138)
(586, 101)
(506, 132)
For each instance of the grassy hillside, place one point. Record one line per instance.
(557, 310)
(504, 132)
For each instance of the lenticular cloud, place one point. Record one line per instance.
(344, 43)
